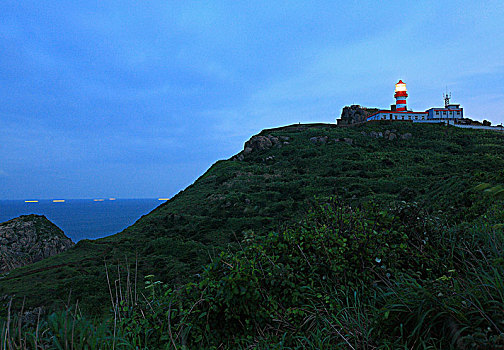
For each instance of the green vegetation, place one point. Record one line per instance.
(370, 243)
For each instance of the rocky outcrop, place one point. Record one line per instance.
(320, 140)
(346, 140)
(29, 238)
(388, 135)
(261, 143)
(354, 114)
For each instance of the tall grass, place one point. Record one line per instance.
(285, 291)
(69, 329)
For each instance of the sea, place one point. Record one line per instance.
(83, 218)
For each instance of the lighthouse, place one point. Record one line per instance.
(400, 95)
(451, 113)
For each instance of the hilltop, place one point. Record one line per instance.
(286, 231)
(264, 188)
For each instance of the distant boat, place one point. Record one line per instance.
(99, 200)
(163, 199)
(58, 200)
(31, 201)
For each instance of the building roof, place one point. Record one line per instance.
(397, 112)
(444, 109)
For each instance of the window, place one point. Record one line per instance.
(437, 112)
(458, 112)
(444, 112)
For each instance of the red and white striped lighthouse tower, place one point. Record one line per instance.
(400, 95)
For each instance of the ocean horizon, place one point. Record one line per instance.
(83, 218)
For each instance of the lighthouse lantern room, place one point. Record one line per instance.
(400, 95)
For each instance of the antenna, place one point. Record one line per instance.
(446, 97)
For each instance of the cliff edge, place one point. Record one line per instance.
(28, 239)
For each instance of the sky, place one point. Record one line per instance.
(137, 99)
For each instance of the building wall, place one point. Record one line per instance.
(436, 115)
(395, 115)
(445, 113)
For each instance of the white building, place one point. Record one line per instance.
(450, 113)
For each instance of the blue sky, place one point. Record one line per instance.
(138, 98)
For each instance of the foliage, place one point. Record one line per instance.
(344, 276)
(437, 167)
(409, 255)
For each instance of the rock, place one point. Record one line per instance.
(258, 143)
(375, 134)
(321, 140)
(284, 138)
(363, 133)
(28, 239)
(261, 143)
(348, 140)
(392, 136)
(406, 136)
(286, 143)
(355, 114)
(274, 140)
(386, 133)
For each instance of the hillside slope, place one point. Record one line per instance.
(265, 187)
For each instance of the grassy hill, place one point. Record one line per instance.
(267, 190)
